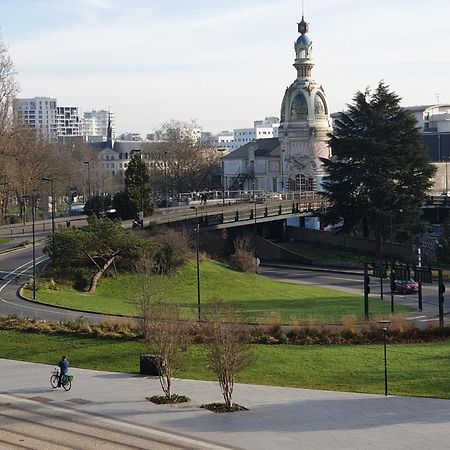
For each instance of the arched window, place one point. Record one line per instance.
(319, 106)
(301, 53)
(299, 108)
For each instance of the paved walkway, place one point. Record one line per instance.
(278, 418)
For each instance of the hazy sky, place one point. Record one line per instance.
(225, 63)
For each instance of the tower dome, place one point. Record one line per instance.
(305, 121)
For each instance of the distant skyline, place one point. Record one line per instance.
(223, 64)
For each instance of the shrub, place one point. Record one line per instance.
(171, 252)
(243, 258)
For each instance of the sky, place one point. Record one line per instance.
(223, 64)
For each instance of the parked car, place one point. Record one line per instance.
(405, 286)
(273, 196)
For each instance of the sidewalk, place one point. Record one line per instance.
(278, 418)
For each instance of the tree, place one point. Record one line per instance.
(102, 244)
(379, 167)
(229, 349)
(138, 186)
(443, 246)
(185, 164)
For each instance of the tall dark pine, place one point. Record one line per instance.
(379, 172)
(138, 186)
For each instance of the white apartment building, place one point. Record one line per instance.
(95, 125)
(38, 112)
(52, 121)
(68, 121)
(232, 140)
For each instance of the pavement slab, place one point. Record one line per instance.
(287, 418)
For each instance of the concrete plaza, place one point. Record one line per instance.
(278, 418)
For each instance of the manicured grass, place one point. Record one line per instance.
(255, 296)
(5, 240)
(414, 370)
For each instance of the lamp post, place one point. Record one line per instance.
(89, 177)
(165, 179)
(33, 207)
(53, 212)
(222, 150)
(384, 325)
(197, 245)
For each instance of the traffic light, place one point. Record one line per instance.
(367, 285)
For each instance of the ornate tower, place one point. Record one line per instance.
(305, 123)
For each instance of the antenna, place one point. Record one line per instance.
(437, 97)
(303, 8)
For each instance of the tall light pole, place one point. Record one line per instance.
(197, 245)
(165, 179)
(53, 213)
(33, 207)
(384, 325)
(222, 150)
(89, 179)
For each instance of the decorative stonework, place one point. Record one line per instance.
(305, 121)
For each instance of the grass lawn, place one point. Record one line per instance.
(4, 240)
(256, 296)
(414, 370)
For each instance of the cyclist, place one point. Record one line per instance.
(63, 368)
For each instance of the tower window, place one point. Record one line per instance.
(299, 108)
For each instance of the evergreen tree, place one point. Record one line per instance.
(138, 186)
(379, 173)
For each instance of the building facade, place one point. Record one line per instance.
(305, 123)
(39, 113)
(95, 125)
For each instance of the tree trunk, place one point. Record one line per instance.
(99, 274)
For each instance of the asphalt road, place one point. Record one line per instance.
(353, 283)
(20, 264)
(16, 267)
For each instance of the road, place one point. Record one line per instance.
(353, 283)
(19, 263)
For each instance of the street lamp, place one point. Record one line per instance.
(222, 150)
(33, 207)
(384, 325)
(89, 178)
(165, 179)
(197, 244)
(53, 213)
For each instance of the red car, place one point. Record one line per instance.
(405, 287)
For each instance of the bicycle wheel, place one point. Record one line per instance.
(54, 381)
(67, 385)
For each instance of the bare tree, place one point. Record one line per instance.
(164, 332)
(167, 337)
(229, 348)
(184, 163)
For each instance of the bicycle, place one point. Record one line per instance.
(66, 380)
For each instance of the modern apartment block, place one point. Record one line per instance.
(40, 113)
(232, 140)
(68, 121)
(95, 125)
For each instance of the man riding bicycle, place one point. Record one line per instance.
(63, 368)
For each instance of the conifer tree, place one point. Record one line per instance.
(379, 174)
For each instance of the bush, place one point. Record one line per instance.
(171, 252)
(243, 258)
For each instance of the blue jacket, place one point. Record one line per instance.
(64, 366)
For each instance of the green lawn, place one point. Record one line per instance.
(4, 240)
(256, 296)
(414, 369)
